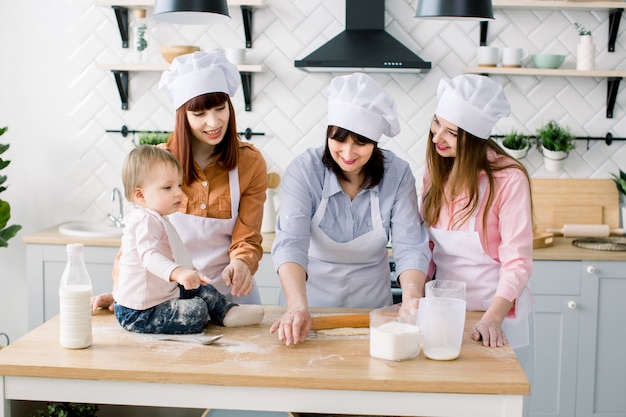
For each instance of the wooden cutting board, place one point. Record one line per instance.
(574, 201)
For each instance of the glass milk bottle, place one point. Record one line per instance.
(139, 35)
(75, 301)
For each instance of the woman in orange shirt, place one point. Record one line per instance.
(224, 178)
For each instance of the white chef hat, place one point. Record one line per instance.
(357, 103)
(472, 102)
(199, 73)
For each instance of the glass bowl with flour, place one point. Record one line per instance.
(395, 334)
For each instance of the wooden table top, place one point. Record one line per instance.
(250, 356)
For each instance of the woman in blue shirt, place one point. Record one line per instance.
(339, 206)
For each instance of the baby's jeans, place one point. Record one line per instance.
(188, 314)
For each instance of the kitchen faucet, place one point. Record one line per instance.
(119, 220)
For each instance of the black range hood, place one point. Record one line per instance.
(364, 45)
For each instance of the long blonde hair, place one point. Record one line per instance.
(462, 173)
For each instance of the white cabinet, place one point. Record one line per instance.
(267, 280)
(580, 368)
(45, 264)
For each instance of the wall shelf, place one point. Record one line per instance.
(615, 9)
(549, 4)
(613, 78)
(120, 8)
(120, 72)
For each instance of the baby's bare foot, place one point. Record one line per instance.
(244, 315)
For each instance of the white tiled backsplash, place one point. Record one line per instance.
(57, 102)
(289, 105)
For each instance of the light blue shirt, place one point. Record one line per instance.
(345, 220)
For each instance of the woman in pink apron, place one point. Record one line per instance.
(477, 205)
(225, 179)
(340, 204)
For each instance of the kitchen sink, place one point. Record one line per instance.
(90, 229)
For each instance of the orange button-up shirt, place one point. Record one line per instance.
(209, 196)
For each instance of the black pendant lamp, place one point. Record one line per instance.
(191, 12)
(455, 9)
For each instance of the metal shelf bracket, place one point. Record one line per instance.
(246, 14)
(246, 83)
(484, 25)
(121, 15)
(121, 80)
(612, 87)
(615, 15)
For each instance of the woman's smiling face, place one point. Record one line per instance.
(209, 126)
(350, 155)
(445, 136)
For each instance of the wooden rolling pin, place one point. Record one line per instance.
(336, 322)
(586, 230)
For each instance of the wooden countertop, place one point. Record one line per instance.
(562, 250)
(52, 236)
(250, 356)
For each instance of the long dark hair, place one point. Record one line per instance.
(374, 169)
(179, 142)
(462, 173)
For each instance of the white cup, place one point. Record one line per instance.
(487, 56)
(236, 55)
(442, 320)
(445, 288)
(513, 57)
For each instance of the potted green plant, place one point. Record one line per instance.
(554, 142)
(153, 138)
(53, 409)
(515, 144)
(6, 232)
(620, 182)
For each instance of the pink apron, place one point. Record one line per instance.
(459, 256)
(209, 239)
(350, 274)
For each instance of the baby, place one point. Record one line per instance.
(158, 289)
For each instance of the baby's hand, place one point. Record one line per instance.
(190, 279)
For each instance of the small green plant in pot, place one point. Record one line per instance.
(555, 142)
(6, 232)
(515, 144)
(153, 138)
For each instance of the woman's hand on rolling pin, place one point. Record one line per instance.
(238, 275)
(293, 326)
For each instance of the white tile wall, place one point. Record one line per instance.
(58, 104)
(290, 107)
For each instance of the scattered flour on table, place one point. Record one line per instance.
(312, 361)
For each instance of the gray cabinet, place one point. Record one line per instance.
(602, 341)
(580, 334)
